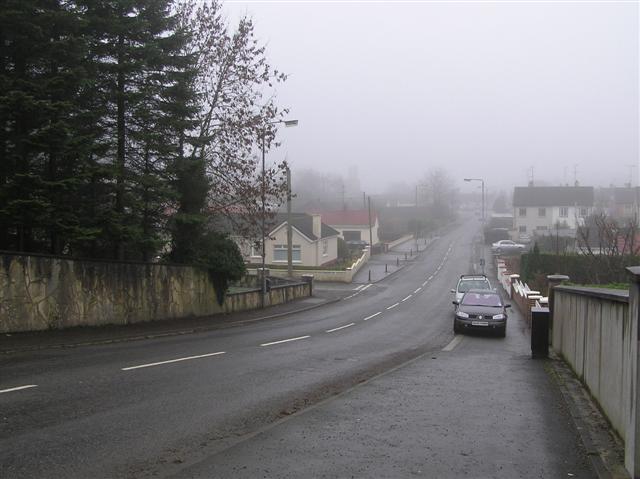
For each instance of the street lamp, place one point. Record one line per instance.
(263, 287)
(482, 181)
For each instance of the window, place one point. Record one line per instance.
(522, 229)
(280, 253)
(325, 247)
(542, 212)
(522, 212)
(564, 212)
(256, 249)
(584, 212)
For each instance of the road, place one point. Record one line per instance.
(194, 405)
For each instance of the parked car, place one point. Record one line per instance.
(507, 247)
(481, 309)
(468, 282)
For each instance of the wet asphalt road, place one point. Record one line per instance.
(236, 403)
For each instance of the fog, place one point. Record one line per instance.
(506, 91)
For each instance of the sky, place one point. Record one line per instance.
(504, 91)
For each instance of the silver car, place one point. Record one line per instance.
(508, 247)
(468, 282)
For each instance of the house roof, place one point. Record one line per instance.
(624, 196)
(553, 196)
(347, 217)
(304, 224)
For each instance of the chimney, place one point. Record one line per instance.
(317, 225)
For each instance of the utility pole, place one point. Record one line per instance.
(370, 230)
(289, 229)
(263, 282)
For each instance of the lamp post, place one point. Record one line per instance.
(263, 287)
(481, 181)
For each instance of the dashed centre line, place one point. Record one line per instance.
(188, 358)
(393, 306)
(341, 327)
(372, 316)
(406, 298)
(285, 340)
(417, 290)
(18, 388)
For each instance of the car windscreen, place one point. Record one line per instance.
(466, 285)
(481, 299)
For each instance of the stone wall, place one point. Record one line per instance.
(44, 292)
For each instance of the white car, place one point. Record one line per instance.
(507, 246)
(468, 282)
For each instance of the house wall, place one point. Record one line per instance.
(535, 222)
(310, 252)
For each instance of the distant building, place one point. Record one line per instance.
(538, 209)
(621, 203)
(353, 225)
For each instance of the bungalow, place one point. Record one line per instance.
(353, 225)
(537, 209)
(313, 242)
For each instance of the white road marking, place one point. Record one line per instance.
(19, 388)
(359, 287)
(341, 327)
(188, 358)
(367, 286)
(454, 342)
(393, 306)
(372, 316)
(349, 297)
(430, 278)
(285, 341)
(425, 283)
(406, 298)
(417, 290)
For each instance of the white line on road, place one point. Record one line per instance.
(417, 290)
(454, 342)
(367, 286)
(393, 306)
(341, 327)
(359, 287)
(285, 341)
(372, 316)
(406, 298)
(28, 386)
(430, 278)
(172, 361)
(349, 297)
(425, 283)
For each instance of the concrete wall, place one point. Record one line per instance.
(42, 292)
(324, 275)
(595, 332)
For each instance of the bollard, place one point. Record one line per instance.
(539, 333)
(385, 268)
(397, 261)
(369, 276)
(405, 256)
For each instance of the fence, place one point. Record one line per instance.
(596, 332)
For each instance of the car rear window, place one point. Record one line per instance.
(481, 299)
(466, 285)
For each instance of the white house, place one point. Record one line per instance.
(313, 242)
(353, 225)
(537, 209)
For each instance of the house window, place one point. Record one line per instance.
(584, 212)
(256, 249)
(522, 229)
(280, 253)
(542, 212)
(564, 212)
(522, 212)
(325, 247)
